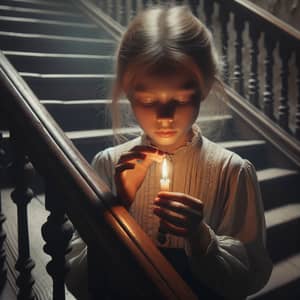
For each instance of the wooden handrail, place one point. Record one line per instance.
(144, 272)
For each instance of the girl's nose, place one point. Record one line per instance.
(165, 122)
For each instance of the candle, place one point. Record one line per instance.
(164, 181)
(164, 186)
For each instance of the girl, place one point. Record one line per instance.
(211, 220)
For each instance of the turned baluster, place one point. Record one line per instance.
(238, 76)
(208, 9)
(268, 100)
(283, 109)
(297, 128)
(194, 5)
(139, 5)
(57, 233)
(103, 5)
(118, 8)
(253, 82)
(3, 270)
(109, 8)
(145, 3)
(123, 13)
(112, 8)
(224, 19)
(133, 9)
(22, 196)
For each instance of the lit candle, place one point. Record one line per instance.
(164, 186)
(164, 181)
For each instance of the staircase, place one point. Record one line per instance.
(67, 60)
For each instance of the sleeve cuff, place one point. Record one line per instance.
(211, 248)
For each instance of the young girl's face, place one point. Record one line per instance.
(166, 106)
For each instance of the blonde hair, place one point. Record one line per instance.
(161, 38)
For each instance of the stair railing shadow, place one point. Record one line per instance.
(73, 189)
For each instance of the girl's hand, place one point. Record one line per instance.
(131, 171)
(182, 215)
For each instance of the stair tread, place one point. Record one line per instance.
(57, 55)
(283, 214)
(241, 143)
(38, 11)
(81, 134)
(47, 3)
(80, 102)
(49, 22)
(55, 37)
(283, 273)
(270, 173)
(65, 76)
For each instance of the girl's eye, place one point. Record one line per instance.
(181, 101)
(146, 102)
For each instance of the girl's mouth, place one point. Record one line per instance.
(165, 133)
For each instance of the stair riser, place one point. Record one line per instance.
(57, 65)
(256, 155)
(47, 45)
(279, 191)
(71, 89)
(84, 116)
(283, 240)
(42, 15)
(52, 29)
(290, 291)
(89, 147)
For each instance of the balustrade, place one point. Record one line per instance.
(237, 57)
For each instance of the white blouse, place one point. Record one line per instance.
(236, 263)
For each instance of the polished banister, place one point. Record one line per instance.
(88, 201)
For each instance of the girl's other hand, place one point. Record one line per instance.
(180, 214)
(131, 171)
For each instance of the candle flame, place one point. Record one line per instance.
(164, 168)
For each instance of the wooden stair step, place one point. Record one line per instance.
(14, 41)
(252, 150)
(90, 142)
(41, 4)
(279, 221)
(50, 14)
(69, 86)
(35, 62)
(284, 282)
(52, 27)
(273, 181)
